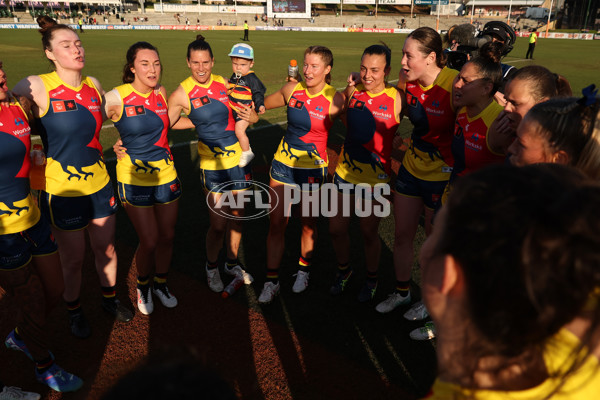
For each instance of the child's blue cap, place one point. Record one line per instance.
(242, 50)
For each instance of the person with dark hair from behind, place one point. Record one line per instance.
(45, 22)
(513, 258)
(173, 374)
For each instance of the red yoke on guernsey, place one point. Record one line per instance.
(372, 121)
(309, 120)
(430, 110)
(470, 144)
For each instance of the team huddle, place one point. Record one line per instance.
(468, 125)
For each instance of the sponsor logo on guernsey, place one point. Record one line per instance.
(447, 170)
(319, 162)
(317, 115)
(294, 103)
(147, 102)
(1, 124)
(194, 92)
(78, 97)
(382, 115)
(474, 146)
(434, 111)
(202, 101)
(57, 93)
(133, 111)
(435, 103)
(412, 100)
(357, 104)
(209, 91)
(382, 176)
(22, 132)
(64, 106)
(131, 99)
(95, 104)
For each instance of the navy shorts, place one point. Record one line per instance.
(74, 213)
(224, 180)
(147, 196)
(315, 177)
(409, 185)
(16, 249)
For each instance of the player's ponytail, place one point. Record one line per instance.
(199, 44)
(488, 64)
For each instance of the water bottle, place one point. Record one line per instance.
(233, 286)
(37, 172)
(293, 71)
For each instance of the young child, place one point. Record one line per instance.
(245, 88)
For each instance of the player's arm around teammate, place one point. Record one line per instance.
(301, 159)
(149, 188)
(364, 166)
(79, 197)
(203, 98)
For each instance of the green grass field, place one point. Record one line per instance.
(21, 52)
(343, 326)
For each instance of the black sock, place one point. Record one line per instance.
(344, 269)
(304, 264)
(43, 365)
(372, 278)
(211, 265)
(160, 280)
(403, 288)
(74, 307)
(232, 262)
(273, 276)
